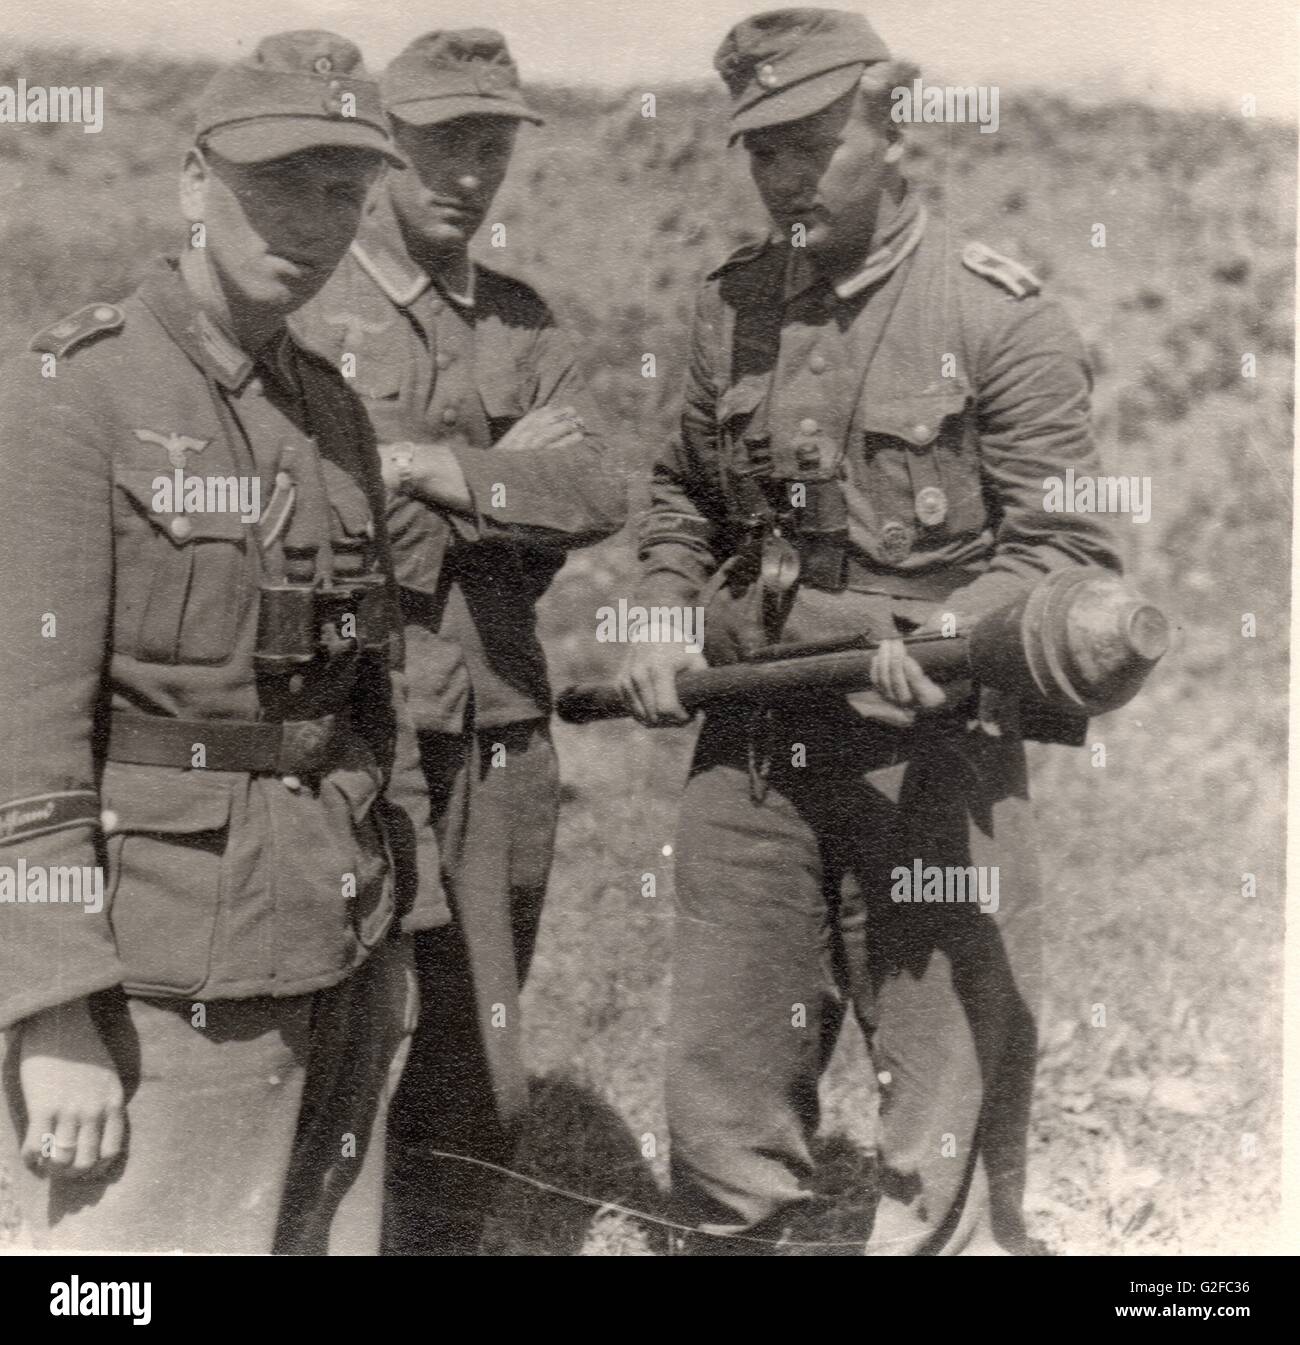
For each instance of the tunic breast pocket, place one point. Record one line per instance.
(373, 357)
(182, 580)
(917, 466)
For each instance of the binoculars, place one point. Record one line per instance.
(297, 623)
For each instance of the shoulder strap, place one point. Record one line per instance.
(77, 328)
(1005, 271)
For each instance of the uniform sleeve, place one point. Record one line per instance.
(56, 558)
(1033, 404)
(680, 533)
(559, 498)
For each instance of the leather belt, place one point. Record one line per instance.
(291, 747)
(831, 568)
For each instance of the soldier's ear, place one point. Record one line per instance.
(195, 172)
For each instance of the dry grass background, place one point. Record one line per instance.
(1160, 1132)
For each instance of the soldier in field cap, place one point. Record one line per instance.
(497, 465)
(869, 417)
(199, 1046)
(297, 91)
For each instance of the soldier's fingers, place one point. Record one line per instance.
(667, 701)
(86, 1158)
(112, 1143)
(39, 1125)
(633, 695)
(928, 693)
(64, 1150)
(898, 674)
(872, 705)
(890, 679)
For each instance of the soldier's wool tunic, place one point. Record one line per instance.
(429, 365)
(937, 393)
(461, 370)
(129, 623)
(934, 386)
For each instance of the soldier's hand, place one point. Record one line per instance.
(546, 427)
(425, 471)
(76, 1112)
(901, 681)
(648, 682)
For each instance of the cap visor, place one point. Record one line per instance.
(267, 138)
(430, 111)
(798, 101)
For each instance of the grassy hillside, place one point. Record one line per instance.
(1160, 1131)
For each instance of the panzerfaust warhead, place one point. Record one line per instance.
(1079, 640)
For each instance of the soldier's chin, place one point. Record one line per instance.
(283, 291)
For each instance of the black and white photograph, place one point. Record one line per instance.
(646, 629)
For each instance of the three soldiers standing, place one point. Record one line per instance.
(869, 415)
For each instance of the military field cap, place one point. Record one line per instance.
(456, 73)
(789, 63)
(297, 91)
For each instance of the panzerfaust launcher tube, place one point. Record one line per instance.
(1079, 640)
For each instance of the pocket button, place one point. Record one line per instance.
(931, 506)
(895, 540)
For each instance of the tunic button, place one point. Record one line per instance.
(435, 305)
(108, 821)
(442, 359)
(449, 416)
(808, 426)
(921, 431)
(931, 506)
(295, 684)
(181, 528)
(818, 364)
(255, 386)
(895, 540)
(291, 782)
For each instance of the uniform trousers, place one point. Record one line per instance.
(494, 796)
(785, 919)
(255, 1125)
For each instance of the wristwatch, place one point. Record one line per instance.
(403, 459)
